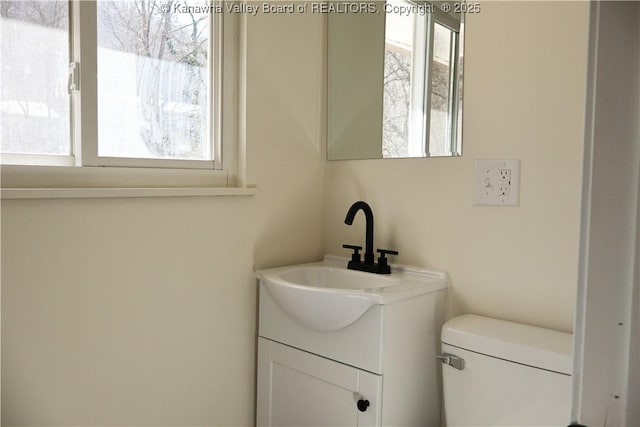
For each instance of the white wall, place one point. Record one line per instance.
(525, 76)
(142, 311)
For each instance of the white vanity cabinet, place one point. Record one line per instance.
(379, 370)
(296, 388)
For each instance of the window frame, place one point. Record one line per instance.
(455, 97)
(90, 170)
(421, 82)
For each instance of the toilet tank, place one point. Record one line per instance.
(513, 374)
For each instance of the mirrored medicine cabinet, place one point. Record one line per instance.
(394, 80)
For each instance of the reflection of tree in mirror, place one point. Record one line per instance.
(440, 86)
(397, 104)
(397, 97)
(170, 46)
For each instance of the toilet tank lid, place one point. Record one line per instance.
(528, 345)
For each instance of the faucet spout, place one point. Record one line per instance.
(368, 214)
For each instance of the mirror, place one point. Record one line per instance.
(394, 79)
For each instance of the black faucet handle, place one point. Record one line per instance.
(355, 257)
(384, 252)
(382, 260)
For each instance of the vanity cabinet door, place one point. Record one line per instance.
(296, 388)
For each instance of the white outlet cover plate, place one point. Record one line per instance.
(489, 186)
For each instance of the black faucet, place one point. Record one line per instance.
(368, 215)
(369, 265)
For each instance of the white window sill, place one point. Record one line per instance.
(59, 182)
(99, 193)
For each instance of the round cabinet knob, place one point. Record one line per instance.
(363, 405)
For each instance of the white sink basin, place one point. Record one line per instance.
(326, 296)
(325, 276)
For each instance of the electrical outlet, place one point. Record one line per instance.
(497, 182)
(504, 182)
(504, 189)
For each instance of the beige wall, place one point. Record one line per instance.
(525, 77)
(142, 311)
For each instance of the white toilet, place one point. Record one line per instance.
(498, 373)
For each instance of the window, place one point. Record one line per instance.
(127, 83)
(34, 104)
(422, 93)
